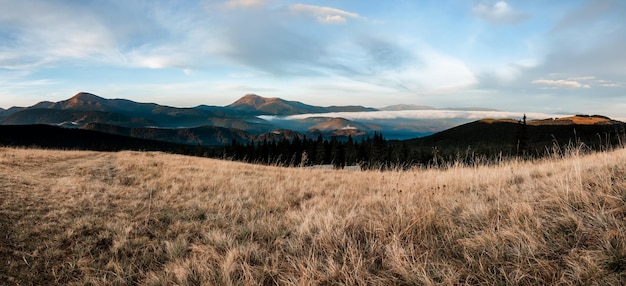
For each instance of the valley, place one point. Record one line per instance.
(254, 118)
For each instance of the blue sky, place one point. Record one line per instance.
(515, 55)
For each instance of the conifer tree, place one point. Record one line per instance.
(522, 137)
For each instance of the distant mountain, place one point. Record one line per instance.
(400, 107)
(242, 121)
(338, 123)
(88, 101)
(348, 108)
(84, 101)
(7, 112)
(84, 108)
(258, 105)
(163, 116)
(221, 110)
(469, 109)
(341, 128)
(205, 125)
(76, 117)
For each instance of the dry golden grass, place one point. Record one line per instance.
(585, 120)
(579, 120)
(70, 217)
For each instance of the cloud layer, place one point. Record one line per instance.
(425, 114)
(509, 55)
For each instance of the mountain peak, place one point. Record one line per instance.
(253, 100)
(339, 123)
(83, 98)
(256, 104)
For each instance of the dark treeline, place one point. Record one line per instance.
(467, 145)
(54, 137)
(369, 153)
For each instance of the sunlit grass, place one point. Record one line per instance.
(70, 217)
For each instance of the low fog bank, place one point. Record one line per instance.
(427, 114)
(404, 124)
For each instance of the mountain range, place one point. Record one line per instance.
(257, 118)
(203, 124)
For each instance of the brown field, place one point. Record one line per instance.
(585, 120)
(89, 218)
(578, 120)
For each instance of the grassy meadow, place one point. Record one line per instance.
(90, 218)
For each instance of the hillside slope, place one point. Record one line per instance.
(203, 135)
(149, 218)
(504, 135)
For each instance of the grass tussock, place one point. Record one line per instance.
(77, 218)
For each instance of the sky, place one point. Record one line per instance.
(518, 55)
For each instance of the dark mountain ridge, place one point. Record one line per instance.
(258, 105)
(203, 135)
(84, 108)
(239, 121)
(79, 117)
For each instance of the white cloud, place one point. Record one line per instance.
(438, 73)
(40, 33)
(163, 56)
(578, 82)
(326, 15)
(500, 12)
(561, 83)
(243, 3)
(412, 68)
(582, 78)
(212, 5)
(334, 19)
(608, 83)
